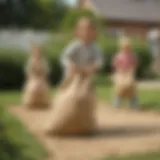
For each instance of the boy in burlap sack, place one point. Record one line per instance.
(124, 64)
(36, 89)
(75, 100)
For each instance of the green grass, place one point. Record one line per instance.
(29, 149)
(149, 98)
(9, 98)
(15, 141)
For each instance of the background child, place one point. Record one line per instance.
(83, 54)
(36, 66)
(124, 65)
(36, 89)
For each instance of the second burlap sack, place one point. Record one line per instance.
(36, 94)
(125, 83)
(74, 107)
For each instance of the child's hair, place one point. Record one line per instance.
(124, 41)
(88, 20)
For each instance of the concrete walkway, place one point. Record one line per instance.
(150, 84)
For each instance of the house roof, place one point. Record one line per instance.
(129, 10)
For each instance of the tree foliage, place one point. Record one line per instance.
(73, 15)
(32, 13)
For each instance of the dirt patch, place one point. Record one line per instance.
(119, 132)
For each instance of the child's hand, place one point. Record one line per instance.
(73, 68)
(90, 69)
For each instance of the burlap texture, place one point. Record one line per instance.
(74, 106)
(125, 83)
(36, 93)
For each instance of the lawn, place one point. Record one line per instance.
(16, 143)
(30, 148)
(149, 98)
(9, 97)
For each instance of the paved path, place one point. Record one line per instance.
(119, 132)
(150, 84)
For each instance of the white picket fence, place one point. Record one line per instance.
(22, 39)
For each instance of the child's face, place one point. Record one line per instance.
(126, 49)
(36, 53)
(86, 31)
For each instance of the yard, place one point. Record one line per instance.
(149, 100)
(21, 135)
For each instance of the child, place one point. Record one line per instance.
(75, 103)
(83, 54)
(36, 90)
(125, 64)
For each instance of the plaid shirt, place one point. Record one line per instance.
(82, 55)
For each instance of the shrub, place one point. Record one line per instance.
(11, 62)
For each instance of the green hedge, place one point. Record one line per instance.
(11, 68)
(12, 62)
(15, 141)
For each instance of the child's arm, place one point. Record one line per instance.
(97, 62)
(99, 59)
(67, 59)
(116, 61)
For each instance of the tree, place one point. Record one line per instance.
(32, 13)
(73, 15)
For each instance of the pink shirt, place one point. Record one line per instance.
(124, 61)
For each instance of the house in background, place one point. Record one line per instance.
(131, 16)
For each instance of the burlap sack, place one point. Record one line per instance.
(74, 107)
(36, 93)
(125, 84)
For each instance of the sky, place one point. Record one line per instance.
(71, 1)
